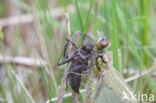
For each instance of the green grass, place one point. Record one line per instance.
(128, 24)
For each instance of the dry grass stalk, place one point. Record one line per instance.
(150, 70)
(23, 87)
(65, 96)
(71, 51)
(43, 44)
(74, 97)
(28, 18)
(24, 61)
(140, 72)
(65, 76)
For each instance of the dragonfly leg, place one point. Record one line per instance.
(65, 51)
(78, 69)
(84, 57)
(87, 36)
(98, 63)
(78, 73)
(90, 69)
(68, 40)
(65, 54)
(66, 61)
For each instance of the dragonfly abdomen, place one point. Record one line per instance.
(75, 79)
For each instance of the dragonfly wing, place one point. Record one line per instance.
(113, 89)
(108, 95)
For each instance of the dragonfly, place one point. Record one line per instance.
(80, 60)
(106, 85)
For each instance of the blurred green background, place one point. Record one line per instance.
(32, 33)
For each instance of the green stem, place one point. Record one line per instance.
(88, 15)
(144, 28)
(79, 15)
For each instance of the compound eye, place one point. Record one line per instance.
(104, 42)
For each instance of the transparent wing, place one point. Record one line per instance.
(113, 89)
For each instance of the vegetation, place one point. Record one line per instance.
(30, 30)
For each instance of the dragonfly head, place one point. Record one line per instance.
(102, 43)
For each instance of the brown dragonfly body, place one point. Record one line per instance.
(79, 63)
